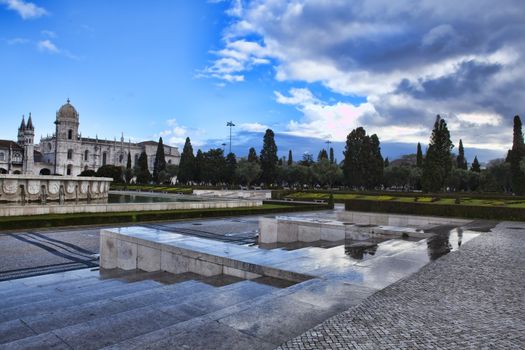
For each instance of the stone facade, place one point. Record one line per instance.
(68, 153)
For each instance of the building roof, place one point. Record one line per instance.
(9, 143)
(67, 111)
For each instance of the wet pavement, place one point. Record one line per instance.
(470, 299)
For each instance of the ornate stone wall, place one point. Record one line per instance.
(41, 188)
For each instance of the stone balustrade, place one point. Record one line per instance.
(43, 188)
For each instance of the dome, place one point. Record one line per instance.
(67, 111)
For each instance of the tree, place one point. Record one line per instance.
(332, 159)
(112, 171)
(128, 173)
(307, 160)
(419, 156)
(247, 171)
(437, 164)
(231, 165)
(198, 169)
(387, 162)
(461, 161)
(475, 165)
(290, 157)
(252, 155)
(172, 170)
(187, 163)
(269, 158)
(326, 173)
(160, 163)
(322, 155)
(363, 163)
(142, 171)
(496, 177)
(515, 156)
(213, 167)
(88, 172)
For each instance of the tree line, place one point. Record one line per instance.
(363, 167)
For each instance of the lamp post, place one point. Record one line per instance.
(230, 124)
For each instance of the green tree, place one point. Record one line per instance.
(128, 173)
(252, 155)
(419, 156)
(290, 157)
(515, 156)
(332, 159)
(307, 160)
(160, 163)
(112, 171)
(142, 171)
(438, 163)
(172, 170)
(187, 163)
(247, 172)
(231, 165)
(322, 155)
(269, 158)
(198, 167)
(213, 168)
(475, 167)
(387, 162)
(363, 163)
(461, 161)
(327, 173)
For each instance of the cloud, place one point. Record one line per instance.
(176, 134)
(17, 41)
(409, 60)
(49, 33)
(253, 127)
(47, 46)
(26, 10)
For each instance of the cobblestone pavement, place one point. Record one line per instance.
(473, 298)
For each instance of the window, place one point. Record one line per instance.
(2, 156)
(120, 158)
(49, 146)
(69, 169)
(136, 159)
(86, 155)
(69, 154)
(104, 158)
(70, 134)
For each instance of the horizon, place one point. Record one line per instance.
(184, 69)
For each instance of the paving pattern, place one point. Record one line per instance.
(470, 299)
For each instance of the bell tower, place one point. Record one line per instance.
(29, 147)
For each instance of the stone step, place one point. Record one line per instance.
(64, 300)
(63, 317)
(48, 279)
(111, 329)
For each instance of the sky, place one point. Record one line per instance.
(311, 70)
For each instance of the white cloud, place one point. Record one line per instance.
(17, 41)
(26, 10)
(49, 33)
(253, 127)
(47, 46)
(176, 134)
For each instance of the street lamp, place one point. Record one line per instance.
(230, 124)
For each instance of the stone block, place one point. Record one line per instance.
(108, 252)
(204, 268)
(233, 272)
(148, 259)
(332, 233)
(286, 231)
(267, 230)
(126, 255)
(174, 263)
(308, 233)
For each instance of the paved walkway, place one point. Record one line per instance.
(473, 298)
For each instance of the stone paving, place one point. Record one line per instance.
(473, 298)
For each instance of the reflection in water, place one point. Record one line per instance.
(361, 250)
(439, 245)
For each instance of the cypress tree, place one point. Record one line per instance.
(160, 161)
(269, 158)
(332, 155)
(187, 163)
(375, 165)
(461, 162)
(198, 165)
(363, 163)
(437, 164)
(419, 156)
(322, 155)
(252, 156)
(475, 167)
(231, 165)
(129, 171)
(143, 176)
(515, 156)
(290, 157)
(387, 162)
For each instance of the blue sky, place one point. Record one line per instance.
(310, 70)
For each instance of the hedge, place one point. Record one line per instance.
(57, 220)
(431, 209)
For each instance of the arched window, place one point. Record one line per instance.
(69, 154)
(2, 156)
(120, 158)
(136, 159)
(169, 161)
(86, 155)
(69, 169)
(70, 134)
(104, 158)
